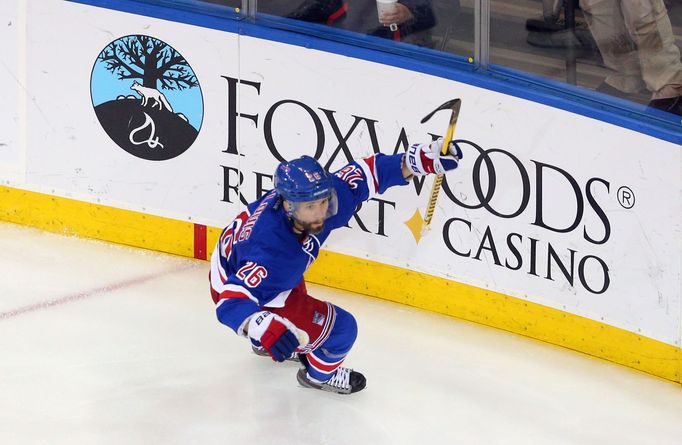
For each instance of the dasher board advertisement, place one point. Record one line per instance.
(547, 205)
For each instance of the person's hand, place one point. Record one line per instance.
(423, 159)
(398, 15)
(276, 334)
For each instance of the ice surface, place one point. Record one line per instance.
(105, 344)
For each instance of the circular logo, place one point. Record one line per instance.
(147, 97)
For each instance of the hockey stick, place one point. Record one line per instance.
(454, 106)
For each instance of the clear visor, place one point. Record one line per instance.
(315, 211)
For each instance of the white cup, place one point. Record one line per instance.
(387, 6)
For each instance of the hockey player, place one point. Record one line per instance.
(258, 264)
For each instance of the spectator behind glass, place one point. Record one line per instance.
(636, 41)
(413, 18)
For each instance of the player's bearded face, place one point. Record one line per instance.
(309, 216)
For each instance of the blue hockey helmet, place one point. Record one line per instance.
(302, 180)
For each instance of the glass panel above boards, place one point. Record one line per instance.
(629, 49)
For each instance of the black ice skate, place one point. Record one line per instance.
(345, 381)
(263, 353)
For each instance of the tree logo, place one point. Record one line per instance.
(147, 97)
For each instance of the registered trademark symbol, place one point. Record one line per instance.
(626, 197)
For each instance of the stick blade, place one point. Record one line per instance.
(452, 104)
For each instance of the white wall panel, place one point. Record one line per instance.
(600, 201)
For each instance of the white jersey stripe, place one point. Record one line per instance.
(279, 300)
(370, 179)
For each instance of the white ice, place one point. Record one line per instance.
(105, 344)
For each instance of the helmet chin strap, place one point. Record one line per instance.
(286, 206)
(289, 212)
(296, 225)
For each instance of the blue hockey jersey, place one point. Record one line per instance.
(259, 258)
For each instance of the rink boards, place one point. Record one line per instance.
(557, 225)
